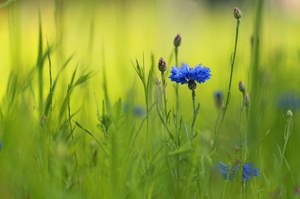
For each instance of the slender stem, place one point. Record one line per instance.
(50, 68)
(177, 98)
(242, 136)
(195, 111)
(50, 74)
(164, 95)
(177, 126)
(222, 114)
(287, 133)
(232, 64)
(147, 122)
(246, 136)
(72, 134)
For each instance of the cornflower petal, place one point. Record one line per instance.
(249, 171)
(182, 75)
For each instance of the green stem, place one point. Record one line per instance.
(50, 73)
(222, 114)
(287, 133)
(177, 125)
(242, 135)
(195, 112)
(72, 130)
(147, 122)
(177, 98)
(232, 64)
(164, 96)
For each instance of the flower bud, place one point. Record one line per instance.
(289, 114)
(242, 87)
(177, 41)
(237, 13)
(247, 100)
(192, 84)
(162, 66)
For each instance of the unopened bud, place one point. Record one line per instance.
(162, 66)
(247, 100)
(192, 84)
(242, 87)
(177, 40)
(289, 114)
(237, 13)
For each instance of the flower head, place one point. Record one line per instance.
(218, 98)
(237, 13)
(288, 100)
(249, 171)
(162, 66)
(228, 171)
(186, 73)
(242, 87)
(177, 40)
(289, 114)
(192, 84)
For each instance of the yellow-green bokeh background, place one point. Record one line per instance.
(114, 33)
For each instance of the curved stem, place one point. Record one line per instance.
(222, 114)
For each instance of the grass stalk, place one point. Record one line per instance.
(195, 112)
(221, 116)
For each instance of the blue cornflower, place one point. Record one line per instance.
(288, 100)
(186, 73)
(227, 171)
(136, 110)
(249, 171)
(219, 98)
(139, 111)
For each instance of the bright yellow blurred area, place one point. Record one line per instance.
(115, 33)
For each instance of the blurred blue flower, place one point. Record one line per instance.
(136, 110)
(249, 171)
(288, 100)
(227, 171)
(219, 99)
(1, 145)
(139, 111)
(182, 75)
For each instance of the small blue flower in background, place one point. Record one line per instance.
(1, 145)
(218, 99)
(249, 171)
(288, 100)
(136, 110)
(182, 75)
(139, 111)
(227, 171)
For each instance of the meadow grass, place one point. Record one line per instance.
(89, 117)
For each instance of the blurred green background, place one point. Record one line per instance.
(115, 33)
(112, 34)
